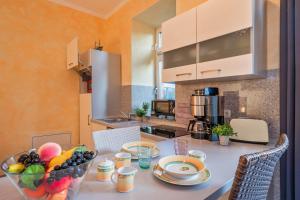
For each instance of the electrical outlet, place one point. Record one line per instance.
(227, 113)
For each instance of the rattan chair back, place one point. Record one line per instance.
(255, 171)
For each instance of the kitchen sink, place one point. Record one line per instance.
(117, 120)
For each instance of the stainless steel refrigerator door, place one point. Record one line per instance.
(106, 84)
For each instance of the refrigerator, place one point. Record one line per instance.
(106, 82)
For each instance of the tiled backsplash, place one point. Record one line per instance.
(256, 98)
(259, 97)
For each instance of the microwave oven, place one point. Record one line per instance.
(163, 107)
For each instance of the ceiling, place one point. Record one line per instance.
(99, 8)
(158, 13)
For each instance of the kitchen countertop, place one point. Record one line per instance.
(152, 121)
(149, 122)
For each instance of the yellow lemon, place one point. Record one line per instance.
(16, 168)
(58, 160)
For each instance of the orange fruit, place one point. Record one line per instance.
(58, 196)
(37, 193)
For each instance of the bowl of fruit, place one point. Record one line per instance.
(49, 172)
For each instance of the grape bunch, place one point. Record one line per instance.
(74, 167)
(31, 158)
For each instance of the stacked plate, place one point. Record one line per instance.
(181, 170)
(133, 147)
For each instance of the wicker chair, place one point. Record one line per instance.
(111, 140)
(254, 172)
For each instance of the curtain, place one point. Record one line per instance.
(290, 97)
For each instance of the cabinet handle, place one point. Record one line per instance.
(71, 63)
(183, 74)
(89, 120)
(211, 70)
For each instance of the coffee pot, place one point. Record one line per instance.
(198, 127)
(207, 108)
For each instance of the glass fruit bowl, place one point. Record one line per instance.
(49, 174)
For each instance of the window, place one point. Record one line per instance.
(164, 90)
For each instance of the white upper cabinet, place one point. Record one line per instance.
(230, 36)
(180, 64)
(72, 54)
(219, 17)
(229, 42)
(179, 31)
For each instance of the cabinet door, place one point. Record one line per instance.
(180, 57)
(179, 31)
(219, 17)
(85, 119)
(176, 74)
(227, 67)
(229, 45)
(72, 54)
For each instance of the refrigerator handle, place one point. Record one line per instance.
(89, 120)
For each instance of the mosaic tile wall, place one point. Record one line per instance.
(259, 97)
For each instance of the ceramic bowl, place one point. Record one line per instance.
(180, 166)
(197, 154)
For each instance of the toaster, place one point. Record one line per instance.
(250, 131)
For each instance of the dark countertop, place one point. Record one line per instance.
(147, 122)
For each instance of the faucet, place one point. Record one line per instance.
(127, 116)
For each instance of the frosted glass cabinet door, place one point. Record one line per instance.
(179, 31)
(180, 57)
(219, 17)
(230, 45)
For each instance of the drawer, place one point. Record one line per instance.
(233, 66)
(183, 73)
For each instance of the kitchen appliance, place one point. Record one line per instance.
(106, 87)
(250, 131)
(165, 131)
(207, 107)
(163, 107)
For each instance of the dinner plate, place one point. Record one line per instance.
(180, 166)
(132, 147)
(200, 178)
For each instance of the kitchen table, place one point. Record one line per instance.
(221, 161)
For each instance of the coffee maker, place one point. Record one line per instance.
(207, 108)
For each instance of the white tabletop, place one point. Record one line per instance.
(221, 161)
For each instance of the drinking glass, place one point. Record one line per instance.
(181, 146)
(144, 156)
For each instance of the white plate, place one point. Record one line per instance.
(202, 177)
(132, 147)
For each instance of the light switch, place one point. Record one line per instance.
(227, 113)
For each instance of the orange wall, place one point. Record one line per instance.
(117, 33)
(37, 93)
